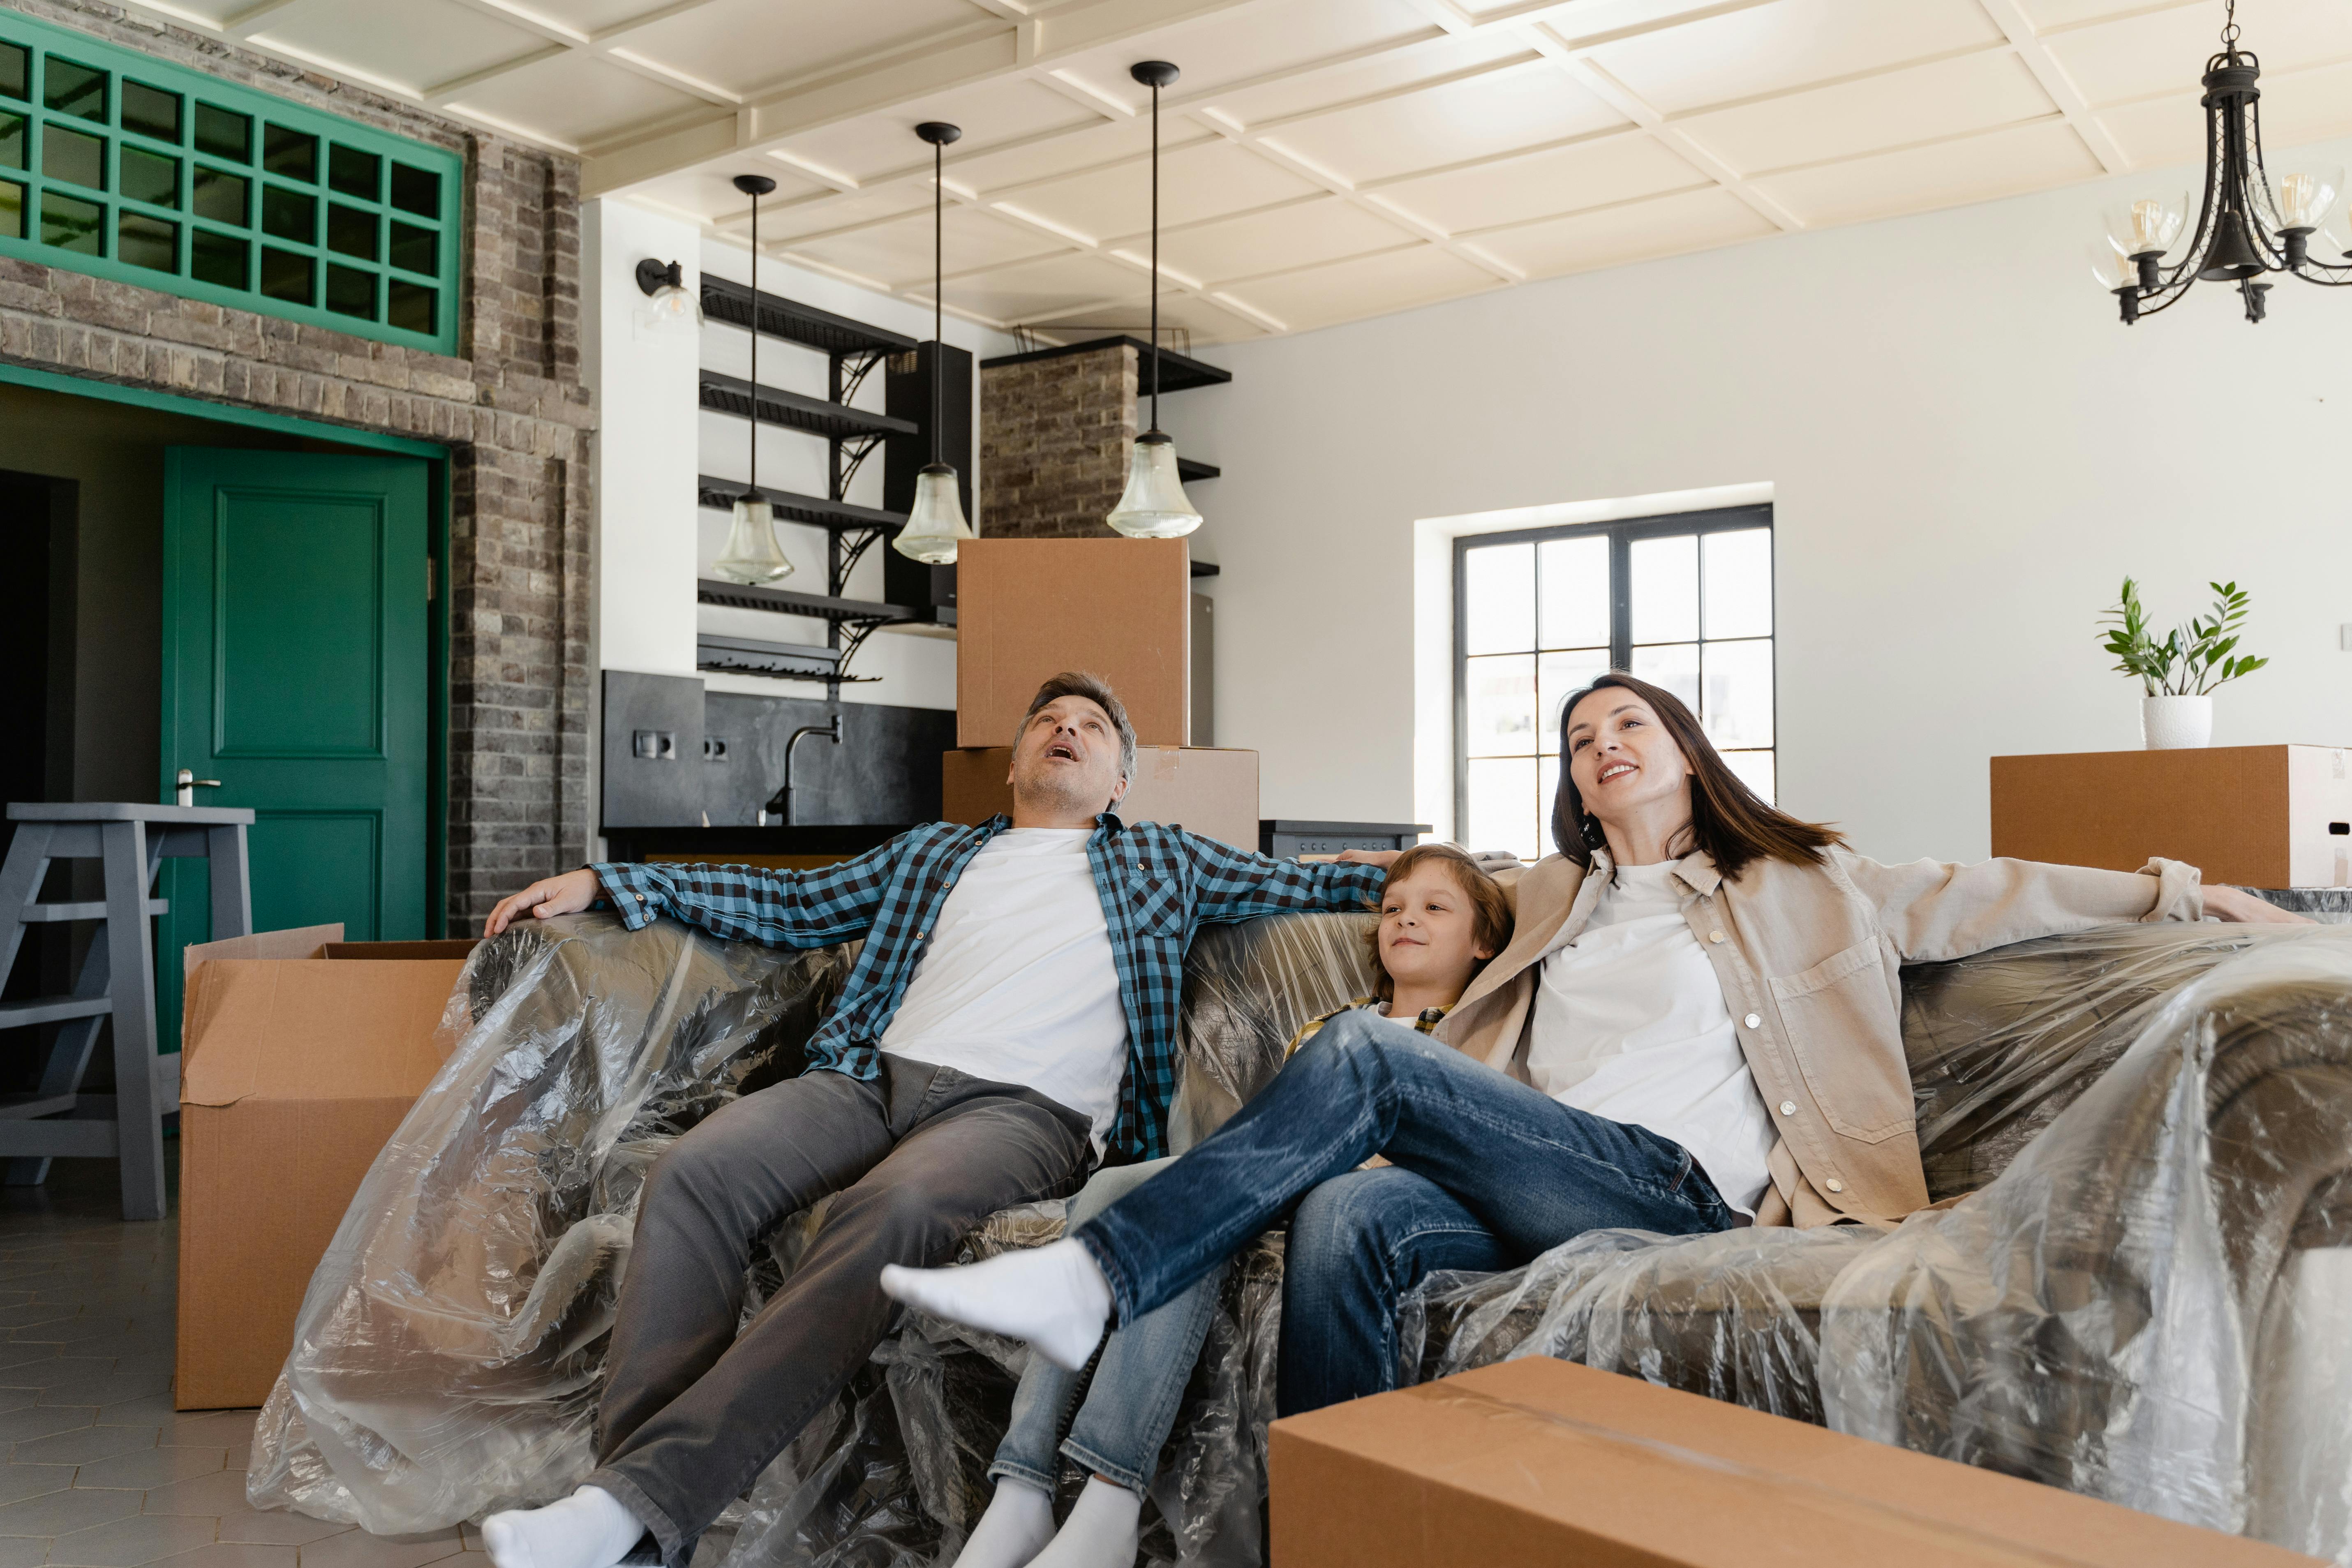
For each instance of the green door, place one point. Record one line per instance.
(296, 590)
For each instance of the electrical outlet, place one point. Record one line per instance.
(714, 748)
(654, 746)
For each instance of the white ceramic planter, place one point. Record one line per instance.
(2172, 723)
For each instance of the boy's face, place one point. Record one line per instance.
(1428, 931)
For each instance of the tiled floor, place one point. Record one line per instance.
(101, 1472)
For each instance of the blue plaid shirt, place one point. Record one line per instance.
(1158, 885)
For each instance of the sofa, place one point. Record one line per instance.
(2138, 1295)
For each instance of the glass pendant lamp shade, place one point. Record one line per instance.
(2147, 225)
(2305, 200)
(937, 523)
(752, 554)
(1154, 505)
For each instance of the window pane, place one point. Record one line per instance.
(1756, 771)
(75, 89)
(1547, 794)
(74, 226)
(149, 178)
(351, 232)
(223, 133)
(286, 276)
(353, 173)
(12, 141)
(15, 71)
(1502, 808)
(350, 291)
(1501, 695)
(1499, 599)
(150, 111)
(220, 258)
(1557, 675)
(1665, 589)
(411, 306)
(415, 249)
(289, 215)
(1674, 666)
(221, 195)
(70, 156)
(1739, 584)
(289, 152)
(1575, 580)
(416, 190)
(12, 210)
(1738, 688)
(147, 242)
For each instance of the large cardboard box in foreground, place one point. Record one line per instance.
(300, 1054)
(1027, 609)
(1214, 793)
(1540, 1461)
(2254, 816)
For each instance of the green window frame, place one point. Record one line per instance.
(133, 169)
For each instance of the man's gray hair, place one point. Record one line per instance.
(1097, 690)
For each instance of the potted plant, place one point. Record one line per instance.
(2178, 676)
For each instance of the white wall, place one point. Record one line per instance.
(1966, 449)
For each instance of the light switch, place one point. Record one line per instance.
(654, 746)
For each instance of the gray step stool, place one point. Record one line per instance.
(116, 980)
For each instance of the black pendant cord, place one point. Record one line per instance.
(939, 293)
(1155, 255)
(755, 347)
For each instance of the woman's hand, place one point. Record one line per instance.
(1381, 858)
(544, 899)
(2241, 908)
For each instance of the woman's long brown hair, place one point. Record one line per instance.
(1730, 823)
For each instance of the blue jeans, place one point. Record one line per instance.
(1473, 1150)
(1138, 1386)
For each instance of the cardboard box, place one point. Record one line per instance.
(1213, 792)
(2256, 816)
(1540, 1461)
(302, 1052)
(1028, 609)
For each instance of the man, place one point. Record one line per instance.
(1012, 1016)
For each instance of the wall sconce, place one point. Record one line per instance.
(664, 282)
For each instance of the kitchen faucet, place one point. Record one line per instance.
(778, 811)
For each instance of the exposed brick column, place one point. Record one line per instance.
(1055, 435)
(511, 408)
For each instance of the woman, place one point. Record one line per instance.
(1694, 1027)
(1441, 918)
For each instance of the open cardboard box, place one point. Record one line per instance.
(1545, 1461)
(299, 1054)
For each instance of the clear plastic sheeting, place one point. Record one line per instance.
(2149, 1300)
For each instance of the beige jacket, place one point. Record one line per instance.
(1809, 958)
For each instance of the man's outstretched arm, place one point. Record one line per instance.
(1239, 884)
(742, 903)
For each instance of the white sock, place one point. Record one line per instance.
(1103, 1529)
(590, 1528)
(1054, 1297)
(1018, 1523)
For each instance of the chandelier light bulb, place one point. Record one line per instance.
(752, 555)
(2147, 226)
(2305, 199)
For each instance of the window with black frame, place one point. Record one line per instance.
(1685, 602)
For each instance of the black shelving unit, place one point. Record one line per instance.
(852, 350)
(1178, 373)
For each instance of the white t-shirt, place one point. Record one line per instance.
(1630, 1023)
(1016, 985)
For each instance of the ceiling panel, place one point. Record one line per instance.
(419, 43)
(2165, 52)
(1365, 286)
(1243, 43)
(746, 45)
(2002, 163)
(1320, 230)
(1035, 290)
(899, 252)
(1611, 168)
(2159, 132)
(579, 99)
(2307, 105)
(1207, 180)
(1381, 73)
(1499, 111)
(705, 192)
(1012, 169)
(592, 17)
(991, 114)
(1789, 44)
(1204, 320)
(1668, 226)
(1971, 92)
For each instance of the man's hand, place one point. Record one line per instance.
(2237, 905)
(544, 899)
(1381, 858)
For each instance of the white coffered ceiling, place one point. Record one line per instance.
(1323, 160)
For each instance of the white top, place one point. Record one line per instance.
(1017, 985)
(1629, 1025)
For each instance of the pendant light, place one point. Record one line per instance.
(1154, 505)
(752, 554)
(936, 521)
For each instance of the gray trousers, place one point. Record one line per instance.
(692, 1411)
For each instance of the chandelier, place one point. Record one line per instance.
(2249, 224)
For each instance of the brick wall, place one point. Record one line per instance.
(511, 406)
(1055, 435)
